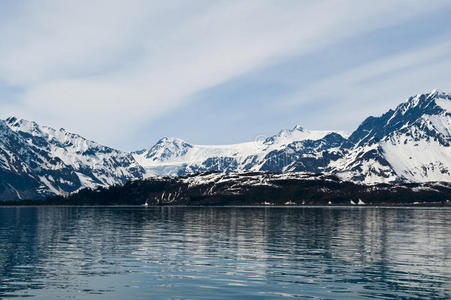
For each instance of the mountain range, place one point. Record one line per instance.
(410, 143)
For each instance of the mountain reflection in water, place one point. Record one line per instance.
(224, 252)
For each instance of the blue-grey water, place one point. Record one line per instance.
(224, 253)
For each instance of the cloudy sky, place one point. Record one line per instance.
(125, 73)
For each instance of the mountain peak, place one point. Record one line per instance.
(425, 111)
(23, 125)
(170, 140)
(298, 133)
(11, 119)
(50, 134)
(298, 128)
(438, 92)
(16, 120)
(168, 147)
(425, 98)
(432, 103)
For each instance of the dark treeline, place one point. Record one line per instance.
(238, 190)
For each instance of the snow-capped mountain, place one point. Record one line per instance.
(408, 143)
(15, 179)
(411, 143)
(56, 162)
(171, 156)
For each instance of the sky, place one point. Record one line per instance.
(127, 73)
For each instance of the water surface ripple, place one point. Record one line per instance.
(224, 253)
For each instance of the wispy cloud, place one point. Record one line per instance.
(379, 85)
(96, 65)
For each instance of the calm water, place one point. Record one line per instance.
(194, 253)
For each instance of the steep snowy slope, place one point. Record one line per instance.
(16, 179)
(171, 156)
(409, 143)
(420, 150)
(60, 162)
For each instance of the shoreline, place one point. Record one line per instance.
(385, 205)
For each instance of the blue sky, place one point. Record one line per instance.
(126, 73)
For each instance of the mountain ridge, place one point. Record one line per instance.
(61, 162)
(367, 155)
(410, 143)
